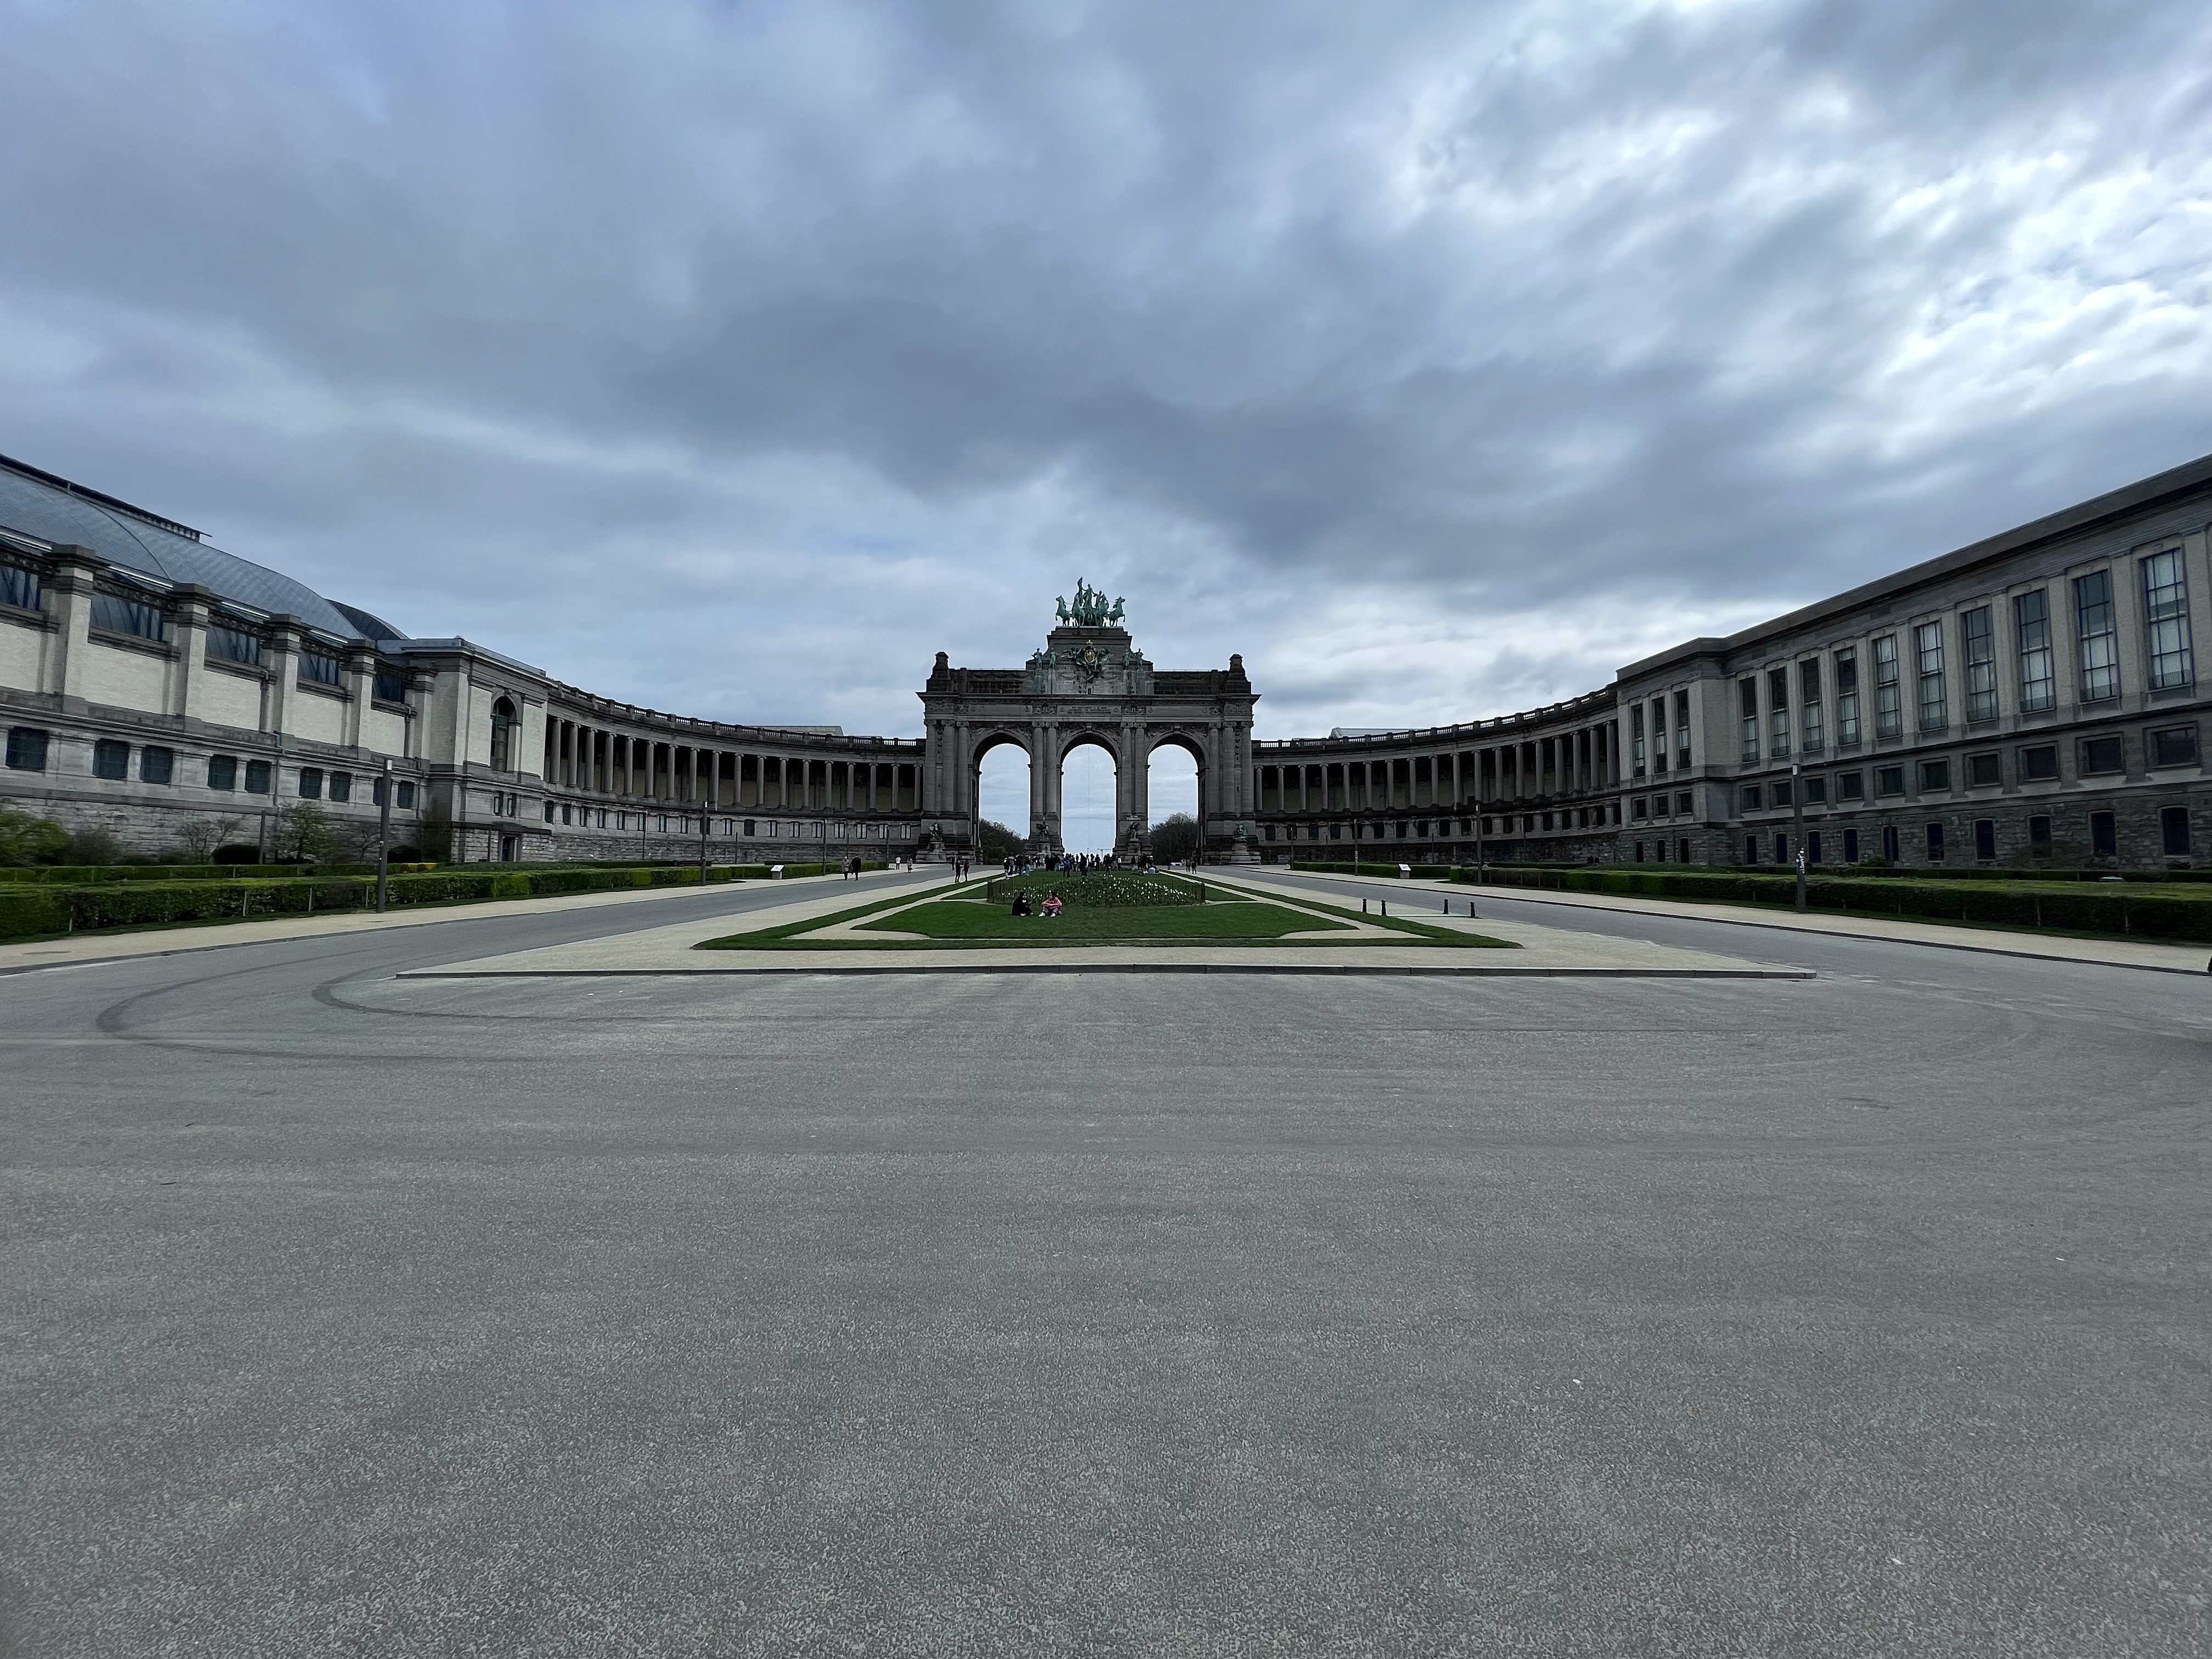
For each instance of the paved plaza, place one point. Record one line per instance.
(1861, 1314)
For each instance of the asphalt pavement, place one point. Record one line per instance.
(1865, 1314)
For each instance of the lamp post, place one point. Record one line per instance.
(1797, 826)
(702, 843)
(384, 842)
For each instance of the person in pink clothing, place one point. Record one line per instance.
(1052, 907)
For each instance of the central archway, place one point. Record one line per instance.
(1091, 792)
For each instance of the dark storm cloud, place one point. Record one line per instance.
(1439, 357)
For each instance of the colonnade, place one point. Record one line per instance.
(1583, 759)
(597, 760)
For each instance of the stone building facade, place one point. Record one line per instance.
(2032, 699)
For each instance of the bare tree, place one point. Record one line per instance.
(197, 838)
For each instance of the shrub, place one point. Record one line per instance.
(26, 910)
(27, 840)
(237, 852)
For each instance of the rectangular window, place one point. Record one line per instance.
(341, 785)
(2099, 637)
(391, 685)
(1658, 734)
(1777, 713)
(2039, 833)
(1751, 850)
(27, 749)
(157, 765)
(1750, 798)
(1812, 847)
(19, 586)
(407, 796)
(1927, 654)
(1893, 850)
(2031, 624)
(2102, 756)
(1985, 839)
(2038, 764)
(222, 771)
(1888, 695)
(2173, 829)
(1851, 847)
(1682, 728)
(2165, 622)
(1636, 740)
(1784, 796)
(1934, 843)
(1978, 635)
(232, 645)
(1682, 802)
(1808, 704)
(1934, 776)
(1816, 791)
(1781, 847)
(2176, 745)
(257, 780)
(1747, 695)
(1851, 786)
(319, 668)
(135, 617)
(311, 783)
(111, 759)
(1639, 809)
(1982, 770)
(1847, 698)
(2104, 835)
(1889, 780)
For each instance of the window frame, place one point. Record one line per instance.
(1928, 681)
(2032, 643)
(2096, 636)
(2169, 662)
(1977, 647)
(1888, 688)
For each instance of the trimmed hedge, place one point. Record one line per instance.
(2080, 908)
(35, 907)
(85, 875)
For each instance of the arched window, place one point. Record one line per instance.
(503, 736)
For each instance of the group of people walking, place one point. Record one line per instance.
(1077, 863)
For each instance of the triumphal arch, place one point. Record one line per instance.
(1089, 684)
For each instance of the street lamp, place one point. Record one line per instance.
(384, 842)
(1797, 825)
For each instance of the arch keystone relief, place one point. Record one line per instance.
(1089, 684)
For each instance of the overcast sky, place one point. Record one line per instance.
(1440, 358)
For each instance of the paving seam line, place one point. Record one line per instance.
(1631, 909)
(1414, 970)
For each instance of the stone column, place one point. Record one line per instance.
(361, 685)
(281, 659)
(188, 628)
(76, 571)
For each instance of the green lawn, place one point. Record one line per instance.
(964, 918)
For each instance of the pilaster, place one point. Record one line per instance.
(188, 625)
(74, 579)
(361, 686)
(281, 654)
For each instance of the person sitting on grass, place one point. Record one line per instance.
(1052, 907)
(1022, 902)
